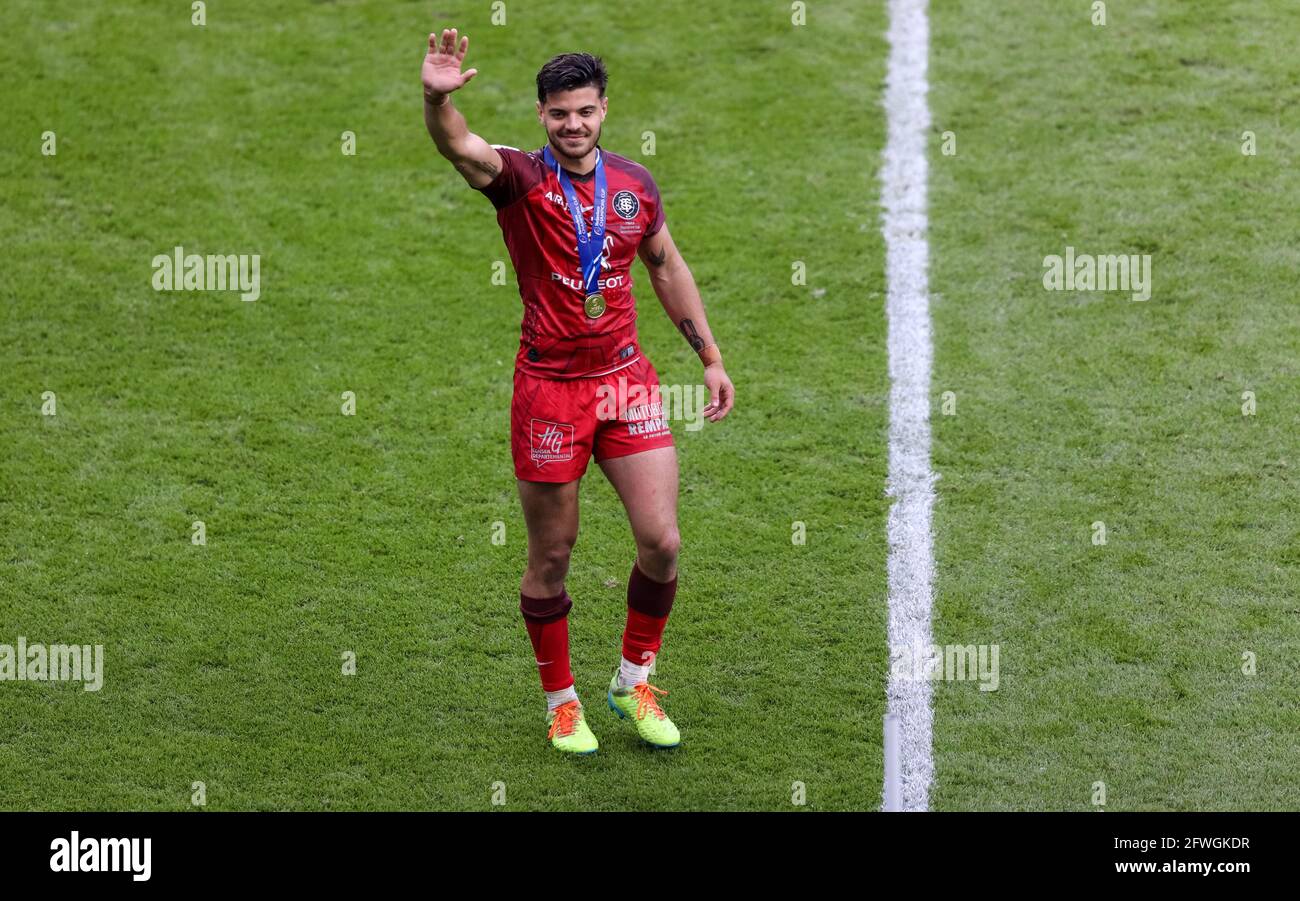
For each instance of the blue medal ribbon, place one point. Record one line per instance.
(590, 244)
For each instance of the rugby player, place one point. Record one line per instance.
(574, 216)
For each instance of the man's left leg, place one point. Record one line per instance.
(647, 484)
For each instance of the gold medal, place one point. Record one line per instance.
(594, 305)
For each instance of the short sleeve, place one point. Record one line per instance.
(516, 178)
(657, 218)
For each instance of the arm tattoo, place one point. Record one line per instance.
(484, 166)
(692, 336)
(657, 259)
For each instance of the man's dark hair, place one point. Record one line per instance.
(570, 71)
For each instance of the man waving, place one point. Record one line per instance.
(574, 216)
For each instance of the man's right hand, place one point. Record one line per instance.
(474, 158)
(441, 71)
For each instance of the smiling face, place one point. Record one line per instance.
(572, 120)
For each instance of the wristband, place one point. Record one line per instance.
(709, 354)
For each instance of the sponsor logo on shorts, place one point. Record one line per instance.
(551, 441)
(647, 420)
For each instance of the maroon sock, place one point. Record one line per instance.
(648, 605)
(547, 620)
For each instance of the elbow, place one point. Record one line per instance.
(669, 270)
(449, 150)
(661, 279)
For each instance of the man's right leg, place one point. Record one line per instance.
(551, 515)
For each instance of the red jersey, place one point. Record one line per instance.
(558, 339)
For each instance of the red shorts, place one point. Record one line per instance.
(556, 425)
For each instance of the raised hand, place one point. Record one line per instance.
(441, 71)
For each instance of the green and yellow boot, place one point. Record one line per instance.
(569, 731)
(639, 704)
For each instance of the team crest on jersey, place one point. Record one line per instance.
(626, 204)
(551, 441)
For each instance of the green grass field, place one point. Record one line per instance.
(1120, 663)
(371, 534)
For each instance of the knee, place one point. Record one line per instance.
(550, 562)
(660, 551)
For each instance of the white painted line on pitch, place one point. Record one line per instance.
(907, 309)
(893, 772)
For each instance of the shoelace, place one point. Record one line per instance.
(566, 719)
(645, 700)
